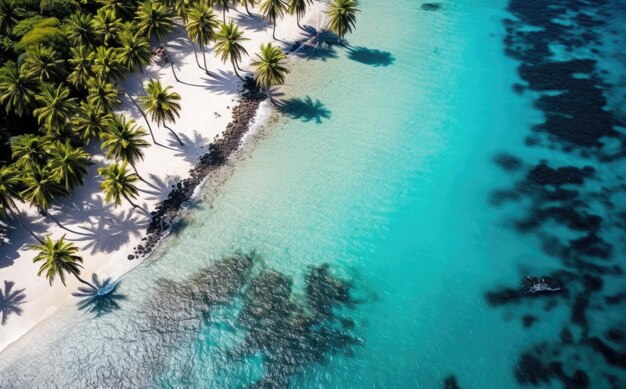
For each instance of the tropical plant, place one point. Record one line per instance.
(9, 184)
(57, 106)
(120, 8)
(298, 7)
(69, 164)
(42, 188)
(17, 89)
(91, 122)
(124, 141)
(58, 258)
(119, 183)
(342, 15)
(9, 15)
(269, 68)
(156, 19)
(30, 151)
(82, 64)
(162, 104)
(102, 94)
(80, 30)
(106, 63)
(107, 25)
(228, 45)
(135, 50)
(272, 10)
(45, 63)
(201, 24)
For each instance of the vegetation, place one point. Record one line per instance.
(60, 64)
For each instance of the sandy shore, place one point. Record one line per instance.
(106, 235)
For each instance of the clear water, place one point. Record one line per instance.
(382, 166)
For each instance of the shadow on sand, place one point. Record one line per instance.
(305, 109)
(101, 300)
(372, 57)
(10, 300)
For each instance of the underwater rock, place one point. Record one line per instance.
(450, 382)
(537, 285)
(431, 6)
(529, 320)
(530, 370)
(504, 296)
(610, 355)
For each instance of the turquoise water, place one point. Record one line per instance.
(382, 166)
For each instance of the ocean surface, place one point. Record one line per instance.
(375, 232)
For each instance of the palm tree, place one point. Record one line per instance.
(58, 258)
(106, 63)
(156, 19)
(269, 67)
(102, 94)
(201, 24)
(82, 63)
(124, 141)
(248, 3)
(17, 90)
(228, 45)
(119, 183)
(80, 30)
(298, 7)
(9, 183)
(42, 188)
(135, 50)
(69, 164)
(107, 25)
(45, 63)
(57, 107)
(162, 104)
(91, 122)
(272, 10)
(30, 151)
(342, 17)
(120, 8)
(224, 4)
(9, 15)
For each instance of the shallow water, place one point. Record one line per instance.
(404, 165)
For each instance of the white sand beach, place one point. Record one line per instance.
(108, 234)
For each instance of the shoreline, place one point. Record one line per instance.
(177, 173)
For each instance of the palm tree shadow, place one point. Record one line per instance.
(194, 146)
(223, 82)
(101, 300)
(305, 109)
(252, 23)
(109, 234)
(372, 57)
(159, 188)
(10, 300)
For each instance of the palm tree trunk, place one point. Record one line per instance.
(195, 53)
(235, 69)
(269, 94)
(174, 133)
(169, 59)
(58, 223)
(142, 114)
(85, 282)
(274, 28)
(206, 68)
(224, 14)
(247, 10)
(14, 215)
(298, 20)
(136, 206)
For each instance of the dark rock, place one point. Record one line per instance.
(538, 285)
(615, 334)
(531, 371)
(579, 309)
(529, 320)
(450, 382)
(610, 355)
(502, 297)
(431, 6)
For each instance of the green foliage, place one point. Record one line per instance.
(161, 103)
(58, 8)
(47, 32)
(24, 26)
(57, 258)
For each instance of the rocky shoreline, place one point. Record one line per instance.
(168, 211)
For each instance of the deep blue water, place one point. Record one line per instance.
(375, 234)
